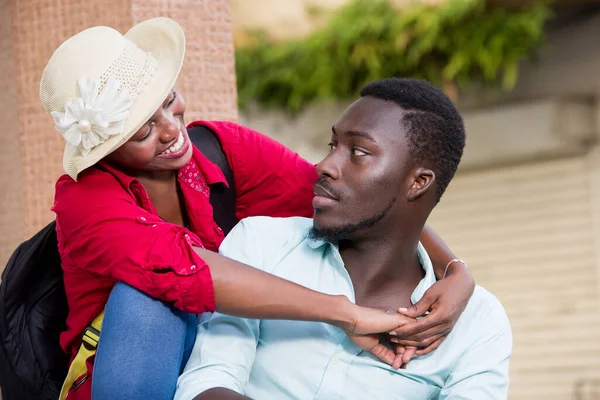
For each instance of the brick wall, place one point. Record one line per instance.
(31, 154)
(11, 211)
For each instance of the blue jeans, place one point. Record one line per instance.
(144, 346)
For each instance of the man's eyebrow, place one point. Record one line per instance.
(360, 134)
(356, 134)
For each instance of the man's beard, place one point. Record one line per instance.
(347, 231)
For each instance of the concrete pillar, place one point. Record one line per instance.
(30, 30)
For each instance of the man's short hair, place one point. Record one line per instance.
(434, 128)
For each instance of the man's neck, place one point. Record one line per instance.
(384, 270)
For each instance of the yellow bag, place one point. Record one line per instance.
(88, 347)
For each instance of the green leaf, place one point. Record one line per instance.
(459, 42)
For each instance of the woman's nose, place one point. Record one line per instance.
(169, 128)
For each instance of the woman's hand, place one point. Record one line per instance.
(366, 329)
(445, 301)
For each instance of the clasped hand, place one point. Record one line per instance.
(396, 336)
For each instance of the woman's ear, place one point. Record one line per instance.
(424, 180)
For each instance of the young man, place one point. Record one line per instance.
(393, 153)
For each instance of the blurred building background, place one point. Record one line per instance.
(523, 211)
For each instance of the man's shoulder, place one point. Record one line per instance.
(268, 239)
(483, 298)
(278, 228)
(485, 307)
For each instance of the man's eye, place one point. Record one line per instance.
(358, 152)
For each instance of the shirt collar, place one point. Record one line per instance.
(210, 170)
(429, 278)
(314, 243)
(124, 179)
(425, 283)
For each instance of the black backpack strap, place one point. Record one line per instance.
(222, 198)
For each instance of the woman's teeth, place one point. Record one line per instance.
(176, 146)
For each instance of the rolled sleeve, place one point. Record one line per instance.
(110, 236)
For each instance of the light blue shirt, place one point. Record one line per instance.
(270, 359)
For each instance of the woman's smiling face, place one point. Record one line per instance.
(161, 144)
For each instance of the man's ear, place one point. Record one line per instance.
(424, 180)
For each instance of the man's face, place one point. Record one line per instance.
(366, 175)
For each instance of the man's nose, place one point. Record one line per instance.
(329, 166)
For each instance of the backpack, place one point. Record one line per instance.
(33, 303)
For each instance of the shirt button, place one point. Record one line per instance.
(193, 267)
(143, 219)
(335, 360)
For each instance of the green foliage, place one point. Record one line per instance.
(451, 45)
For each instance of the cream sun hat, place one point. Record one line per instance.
(100, 86)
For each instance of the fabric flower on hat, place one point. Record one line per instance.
(95, 116)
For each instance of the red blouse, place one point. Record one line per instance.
(109, 231)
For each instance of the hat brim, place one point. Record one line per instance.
(165, 40)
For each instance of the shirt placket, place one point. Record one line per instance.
(336, 373)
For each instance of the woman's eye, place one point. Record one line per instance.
(172, 100)
(146, 136)
(332, 146)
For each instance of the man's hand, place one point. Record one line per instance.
(366, 329)
(445, 301)
(403, 355)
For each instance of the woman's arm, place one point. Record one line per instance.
(247, 292)
(221, 394)
(441, 255)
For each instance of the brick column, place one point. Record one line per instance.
(11, 210)
(31, 150)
